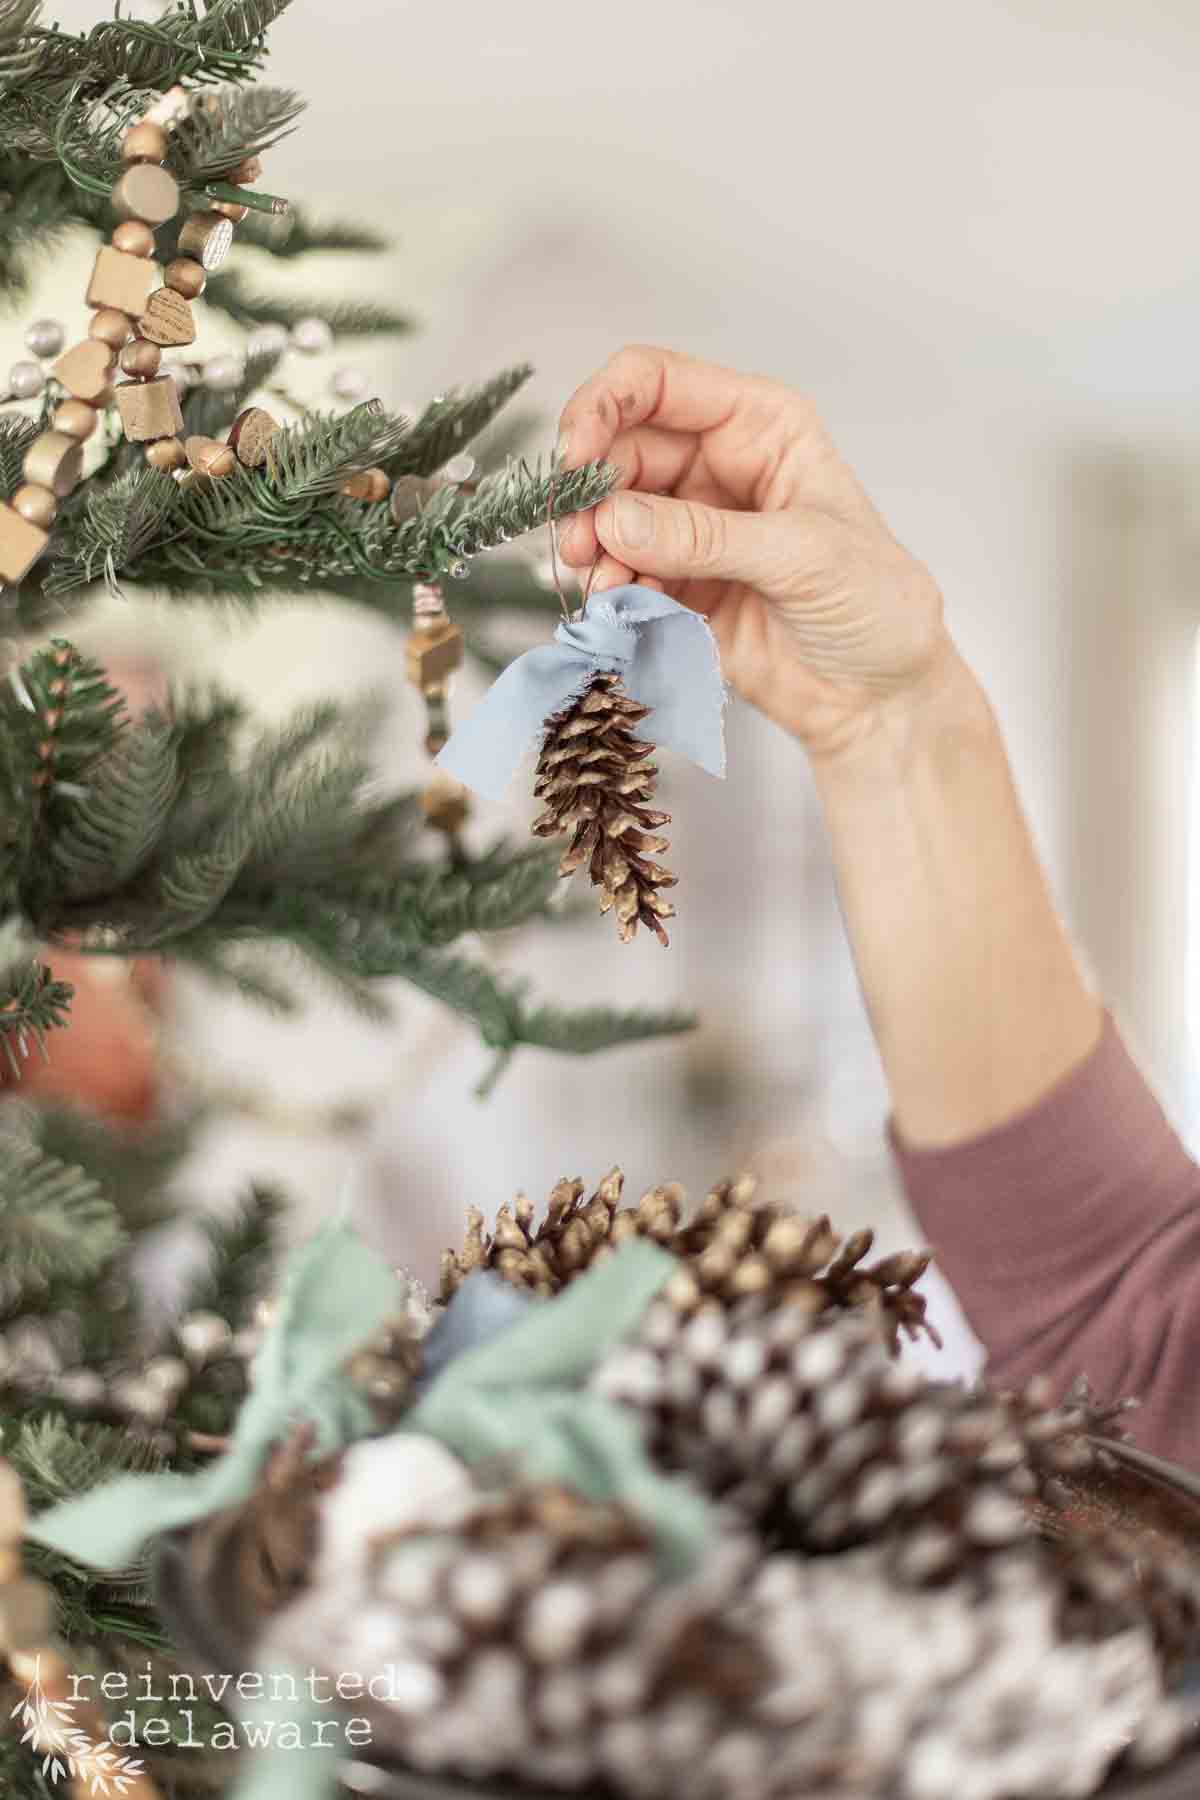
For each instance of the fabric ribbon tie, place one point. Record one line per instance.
(665, 655)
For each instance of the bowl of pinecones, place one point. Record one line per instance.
(913, 1590)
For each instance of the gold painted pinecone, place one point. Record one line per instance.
(733, 1247)
(597, 780)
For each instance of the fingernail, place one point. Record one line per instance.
(634, 519)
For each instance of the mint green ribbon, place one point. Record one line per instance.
(336, 1292)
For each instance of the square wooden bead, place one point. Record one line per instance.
(433, 655)
(120, 280)
(150, 409)
(20, 545)
(86, 370)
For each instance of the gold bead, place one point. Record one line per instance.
(369, 484)
(75, 418)
(109, 327)
(37, 504)
(134, 238)
(208, 457)
(13, 1512)
(185, 277)
(141, 358)
(446, 804)
(146, 142)
(146, 192)
(433, 655)
(167, 454)
(229, 209)
(53, 461)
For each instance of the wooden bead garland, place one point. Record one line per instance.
(133, 320)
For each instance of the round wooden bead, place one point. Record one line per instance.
(166, 455)
(185, 277)
(134, 238)
(37, 504)
(109, 327)
(206, 236)
(208, 457)
(146, 192)
(250, 436)
(230, 209)
(75, 419)
(369, 484)
(54, 461)
(141, 358)
(146, 142)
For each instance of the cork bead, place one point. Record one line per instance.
(110, 327)
(186, 277)
(250, 436)
(368, 484)
(146, 142)
(20, 545)
(146, 192)
(167, 319)
(140, 358)
(134, 238)
(86, 370)
(54, 461)
(167, 454)
(149, 409)
(208, 457)
(206, 236)
(233, 210)
(37, 504)
(120, 280)
(75, 418)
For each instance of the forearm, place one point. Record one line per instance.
(976, 1001)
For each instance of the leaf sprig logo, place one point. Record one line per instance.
(50, 1725)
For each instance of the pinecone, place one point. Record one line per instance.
(529, 1635)
(597, 780)
(734, 1246)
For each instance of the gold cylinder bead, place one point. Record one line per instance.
(54, 461)
(146, 142)
(76, 419)
(133, 238)
(230, 209)
(185, 277)
(141, 358)
(208, 457)
(167, 454)
(108, 326)
(146, 192)
(37, 504)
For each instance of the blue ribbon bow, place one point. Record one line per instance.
(667, 660)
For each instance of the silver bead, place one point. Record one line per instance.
(45, 337)
(203, 1335)
(222, 373)
(139, 1399)
(25, 379)
(313, 336)
(348, 384)
(80, 1387)
(268, 340)
(460, 467)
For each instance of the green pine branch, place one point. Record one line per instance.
(229, 293)
(295, 233)
(242, 1249)
(32, 1001)
(16, 435)
(132, 1167)
(55, 1224)
(213, 138)
(453, 421)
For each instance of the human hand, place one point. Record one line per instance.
(737, 501)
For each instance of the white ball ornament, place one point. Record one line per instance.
(312, 336)
(222, 373)
(348, 384)
(268, 340)
(25, 379)
(45, 337)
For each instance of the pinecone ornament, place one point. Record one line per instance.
(597, 781)
(733, 1247)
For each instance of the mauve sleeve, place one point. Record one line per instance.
(1071, 1235)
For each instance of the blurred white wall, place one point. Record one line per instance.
(968, 229)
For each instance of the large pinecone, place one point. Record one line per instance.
(597, 780)
(528, 1634)
(734, 1246)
